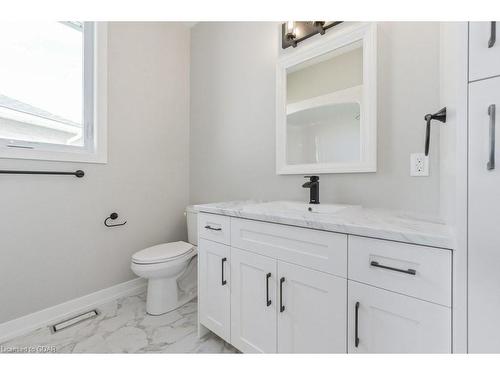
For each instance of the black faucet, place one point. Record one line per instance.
(313, 185)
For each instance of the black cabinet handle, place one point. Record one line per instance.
(212, 228)
(409, 271)
(493, 34)
(268, 301)
(356, 336)
(224, 282)
(282, 308)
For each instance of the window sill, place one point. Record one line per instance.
(47, 155)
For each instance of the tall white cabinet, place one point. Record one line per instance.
(484, 189)
(484, 55)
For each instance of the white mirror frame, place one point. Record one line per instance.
(332, 40)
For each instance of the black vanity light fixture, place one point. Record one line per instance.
(294, 32)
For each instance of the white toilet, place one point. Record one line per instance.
(163, 265)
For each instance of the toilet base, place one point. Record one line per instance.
(162, 296)
(181, 303)
(164, 292)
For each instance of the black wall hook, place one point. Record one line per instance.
(113, 216)
(439, 116)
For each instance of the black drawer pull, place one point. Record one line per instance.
(224, 282)
(493, 34)
(268, 301)
(282, 308)
(409, 271)
(356, 336)
(212, 228)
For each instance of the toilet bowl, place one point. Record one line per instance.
(162, 265)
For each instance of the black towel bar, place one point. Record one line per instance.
(79, 173)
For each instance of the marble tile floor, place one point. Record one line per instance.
(124, 327)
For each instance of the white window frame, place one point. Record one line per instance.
(95, 114)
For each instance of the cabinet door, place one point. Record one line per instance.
(311, 311)
(253, 302)
(386, 322)
(214, 277)
(484, 223)
(484, 50)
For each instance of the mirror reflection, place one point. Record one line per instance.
(323, 108)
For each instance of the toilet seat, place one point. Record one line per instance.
(162, 253)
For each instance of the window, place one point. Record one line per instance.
(51, 92)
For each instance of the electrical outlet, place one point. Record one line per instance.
(419, 165)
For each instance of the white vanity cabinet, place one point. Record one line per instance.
(295, 290)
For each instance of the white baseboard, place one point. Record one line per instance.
(51, 315)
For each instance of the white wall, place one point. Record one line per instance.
(53, 244)
(232, 152)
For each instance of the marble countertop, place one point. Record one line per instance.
(377, 223)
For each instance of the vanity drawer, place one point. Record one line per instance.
(417, 271)
(214, 227)
(319, 250)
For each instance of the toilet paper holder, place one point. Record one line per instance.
(113, 216)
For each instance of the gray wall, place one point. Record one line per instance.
(54, 246)
(232, 152)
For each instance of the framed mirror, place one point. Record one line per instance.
(326, 104)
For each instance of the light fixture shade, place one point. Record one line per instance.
(294, 32)
(290, 29)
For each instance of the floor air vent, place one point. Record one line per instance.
(73, 321)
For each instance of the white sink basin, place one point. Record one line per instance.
(299, 207)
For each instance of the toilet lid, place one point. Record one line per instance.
(162, 252)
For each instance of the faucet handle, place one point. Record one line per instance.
(312, 178)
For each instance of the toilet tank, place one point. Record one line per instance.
(192, 225)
